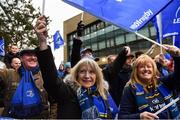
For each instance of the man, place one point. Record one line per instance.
(77, 53)
(15, 63)
(12, 80)
(13, 52)
(119, 73)
(107, 69)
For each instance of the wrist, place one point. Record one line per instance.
(43, 46)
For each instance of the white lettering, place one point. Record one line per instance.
(144, 17)
(176, 21)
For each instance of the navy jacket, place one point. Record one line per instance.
(129, 107)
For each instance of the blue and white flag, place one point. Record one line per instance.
(58, 41)
(2, 51)
(128, 14)
(177, 41)
(169, 22)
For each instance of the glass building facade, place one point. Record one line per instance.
(106, 39)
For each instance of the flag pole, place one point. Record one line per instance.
(82, 16)
(159, 24)
(43, 7)
(166, 106)
(174, 39)
(140, 35)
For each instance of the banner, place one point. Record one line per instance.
(169, 22)
(2, 51)
(177, 41)
(58, 41)
(130, 15)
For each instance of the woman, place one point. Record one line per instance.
(84, 93)
(61, 71)
(146, 93)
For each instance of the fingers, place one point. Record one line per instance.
(173, 50)
(148, 115)
(40, 25)
(80, 22)
(128, 50)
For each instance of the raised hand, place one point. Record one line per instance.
(41, 32)
(80, 28)
(173, 50)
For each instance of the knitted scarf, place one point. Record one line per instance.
(93, 106)
(26, 101)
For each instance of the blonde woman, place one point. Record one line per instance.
(147, 93)
(82, 94)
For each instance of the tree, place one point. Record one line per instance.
(16, 22)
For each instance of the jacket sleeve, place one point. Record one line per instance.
(53, 85)
(118, 63)
(75, 53)
(172, 81)
(128, 107)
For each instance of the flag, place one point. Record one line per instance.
(169, 22)
(177, 41)
(58, 41)
(2, 51)
(130, 15)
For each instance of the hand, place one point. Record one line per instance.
(128, 50)
(173, 50)
(147, 115)
(80, 28)
(41, 32)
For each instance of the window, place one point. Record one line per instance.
(94, 34)
(87, 30)
(94, 46)
(153, 31)
(102, 45)
(130, 37)
(109, 29)
(119, 39)
(144, 32)
(100, 32)
(110, 42)
(93, 28)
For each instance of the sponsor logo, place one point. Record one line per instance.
(119, 0)
(147, 14)
(155, 101)
(176, 20)
(29, 93)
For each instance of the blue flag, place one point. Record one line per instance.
(169, 22)
(2, 51)
(58, 41)
(177, 41)
(128, 14)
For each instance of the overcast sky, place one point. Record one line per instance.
(58, 11)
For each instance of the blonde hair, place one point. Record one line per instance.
(100, 82)
(143, 59)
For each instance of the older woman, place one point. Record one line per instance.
(84, 93)
(146, 93)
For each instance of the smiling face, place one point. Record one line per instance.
(16, 63)
(145, 72)
(86, 76)
(29, 60)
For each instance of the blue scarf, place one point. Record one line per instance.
(93, 106)
(167, 96)
(26, 101)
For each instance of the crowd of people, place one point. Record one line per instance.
(128, 87)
